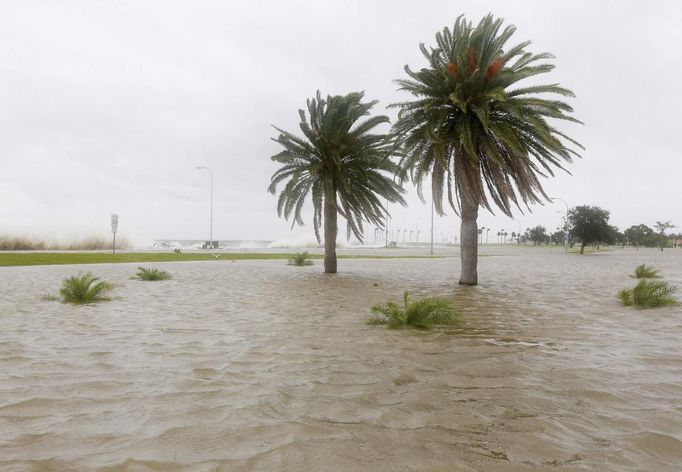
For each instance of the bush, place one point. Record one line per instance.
(649, 294)
(300, 259)
(645, 272)
(84, 288)
(423, 313)
(151, 274)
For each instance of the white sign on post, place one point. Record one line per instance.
(114, 228)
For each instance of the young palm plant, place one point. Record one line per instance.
(341, 164)
(300, 259)
(644, 271)
(423, 313)
(649, 294)
(84, 288)
(151, 274)
(476, 130)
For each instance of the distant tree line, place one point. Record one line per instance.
(589, 226)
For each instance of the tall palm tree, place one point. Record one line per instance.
(476, 131)
(662, 227)
(338, 161)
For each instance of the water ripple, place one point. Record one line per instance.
(255, 365)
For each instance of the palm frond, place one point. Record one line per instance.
(644, 271)
(422, 314)
(338, 159)
(471, 111)
(84, 288)
(649, 294)
(152, 274)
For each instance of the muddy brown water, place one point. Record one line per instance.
(256, 365)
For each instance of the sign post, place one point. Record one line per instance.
(114, 229)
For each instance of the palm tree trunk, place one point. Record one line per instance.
(330, 232)
(582, 248)
(469, 247)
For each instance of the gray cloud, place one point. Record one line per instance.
(109, 106)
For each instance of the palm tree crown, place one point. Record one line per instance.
(471, 125)
(338, 161)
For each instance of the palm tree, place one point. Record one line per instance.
(662, 227)
(344, 167)
(476, 131)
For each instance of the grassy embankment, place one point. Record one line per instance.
(60, 258)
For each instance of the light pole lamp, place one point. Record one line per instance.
(566, 229)
(386, 222)
(211, 223)
(431, 252)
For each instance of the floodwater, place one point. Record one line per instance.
(258, 366)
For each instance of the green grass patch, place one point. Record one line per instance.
(151, 274)
(423, 313)
(84, 288)
(645, 272)
(376, 256)
(649, 294)
(60, 258)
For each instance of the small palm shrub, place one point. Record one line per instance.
(649, 294)
(152, 274)
(300, 259)
(84, 288)
(423, 313)
(645, 272)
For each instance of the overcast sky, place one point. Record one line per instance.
(108, 107)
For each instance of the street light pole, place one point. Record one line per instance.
(432, 225)
(566, 224)
(211, 226)
(386, 223)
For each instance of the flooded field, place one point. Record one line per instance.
(256, 366)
